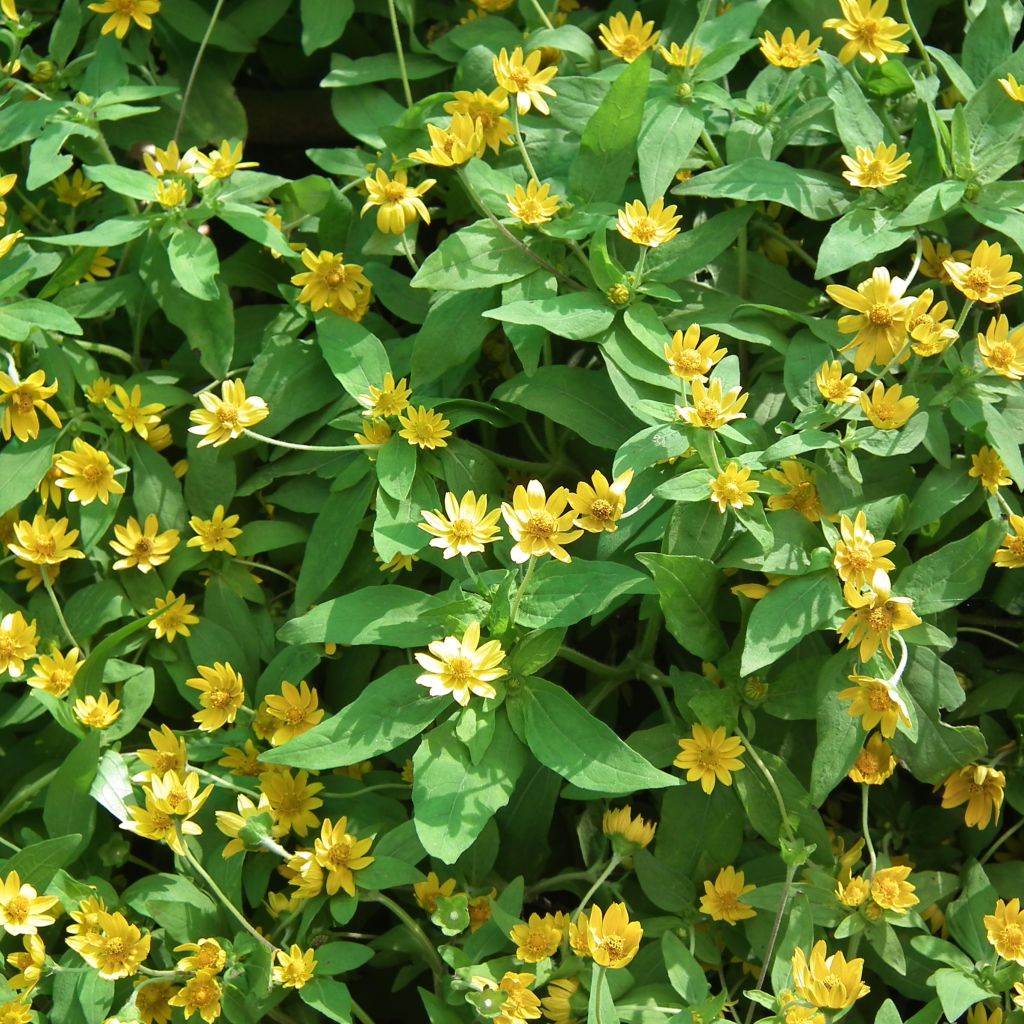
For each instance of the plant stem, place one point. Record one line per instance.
(310, 447)
(106, 350)
(267, 568)
(963, 315)
(399, 52)
(45, 576)
(527, 162)
(522, 590)
(407, 249)
(598, 882)
(357, 1011)
(203, 43)
(918, 42)
(901, 667)
(597, 668)
(866, 830)
(702, 15)
(437, 965)
(991, 636)
(542, 14)
(218, 781)
(1008, 834)
(705, 141)
(770, 780)
(774, 936)
(741, 262)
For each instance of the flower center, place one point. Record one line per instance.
(334, 278)
(1012, 941)
(461, 530)
(203, 994)
(886, 891)
(394, 191)
(143, 546)
(115, 948)
(629, 48)
(707, 411)
(219, 698)
(92, 473)
(208, 956)
(602, 509)
(978, 279)
(879, 699)
(16, 909)
(880, 315)
(1016, 547)
(614, 946)
(340, 852)
(520, 78)
(7, 647)
(540, 525)
(459, 670)
(687, 363)
(23, 403)
(789, 55)
(295, 714)
(1001, 354)
(880, 619)
(645, 230)
(227, 415)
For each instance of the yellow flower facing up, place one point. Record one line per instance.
(341, 855)
(790, 51)
(143, 547)
(1011, 554)
(29, 964)
(1005, 930)
(801, 494)
(652, 227)
(879, 320)
(854, 892)
(296, 709)
(161, 162)
(709, 756)
(869, 32)
(219, 164)
(454, 145)
(294, 968)
(124, 14)
(114, 946)
(462, 666)
(75, 190)
(221, 694)
(1013, 88)
(215, 533)
(988, 277)
(540, 524)
(711, 407)
(887, 408)
(44, 541)
(398, 205)
(978, 786)
(621, 824)
(201, 994)
(858, 555)
(22, 401)
(22, 910)
(328, 282)
(18, 642)
(532, 205)
(524, 78)
(88, 474)
(97, 713)
(169, 753)
(171, 193)
(131, 414)
(465, 527)
(1002, 350)
(233, 825)
(691, 359)
(874, 764)
(828, 982)
(489, 110)
(890, 889)
(835, 386)
(55, 672)
(732, 488)
(424, 428)
(293, 799)
(537, 939)
(722, 899)
(223, 418)
(876, 616)
(612, 939)
(934, 256)
(876, 168)
(989, 470)
(876, 704)
(599, 505)
(427, 892)
(390, 399)
(680, 56)
(175, 616)
(627, 38)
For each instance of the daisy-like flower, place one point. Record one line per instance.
(244, 760)
(1013, 88)
(712, 408)
(294, 968)
(131, 414)
(612, 939)
(293, 799)
(710, 756)
(397, 204)
(732, 488)
(652, 227)
(224, 418)
(791, 51)
(828, 982)
(75, 190)
(627, 39)
(509, 1001)
(989, 470)
(29, 963)
(170, 193)
(988, 277)
(462, 666)
(219, 164)
(854, 892)
(175, 616)
(978, 786)
(427, 892)
(532, 205)
(55, 672)
(874, 764)
(179, 795)
(537, 939)
(390, 399)
(44, 541)
(143, 547)
(424, 428)
(22, 401)
(679, 56)
(201, 994)
(876, 615)
(97, 713)
(858, 555)
(722, 899)
(296, 709)
(599, 505)
(876, 703)
(88, 473)
(691, 359)
(161, 162)
(869, 32)
(835, 386)
(18, 642)
(929, 327)
(540, 524)
(169, 753)
(1011, 554)
(221, 694)
(206, 955)
(328, 282)
(468, 528)
(1002, 350)
(890, 889)
(620, 825)
(99, 391)
(22, 910)
(886, 408)
(801, 494)
(125, 13)
(215, 533)
(934, 256)
(523, 77)
(341, 855)
(375, 434)
(879, 321)
(114, 947)
(454, 145)
(875, 169)
(488, 109)
(1005, 930)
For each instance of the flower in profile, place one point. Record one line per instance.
(294, 968)
(427, 892)
(375, 435)
(236, 826)
(424, 428)
(454, 145)
(523, 77)
(200, 994)
(75, 190)
(55, 672)
(398, 562)
(599, 505)
(114, 946)
(612, 939)
(97, 713)
(328, 282)
(858, 555)
(539, 524)
(296, 709)
(8, 242)
(557, 1004)
(125, 13)
(680, 56)
(854, 892)
(876, 703)
(691, 359)
(627, 39)
(218, 164)
(710, 756)
(244, 760)
(488, 109)
(712, 408)
(221, 694)
(215, 533)
(652, 227)
(537, 939)
(722, 899)
(876, 168)
(877, 614)
(828, 982)
(988, 277)
(143, 547)
(131, 414)
(989, 470)
(732, 488)
(1002, 350)
(879, 320)
(293, 799)
(18, 642)
(930, 329)
(874, 763)
(1011, 554)
(934, 256)
(801, 494)
(869, 32)
(467, 528)
(29, 963)
(44, 541)
(99, 391)
(175, 616)
(532, 205)
(978, 786)
(389, 399)
(622, 826)
(790, 51)
(835, 386)
(890, 889)
(22, 910)
(161, 162)
(22, 401)
(397, 204)
(886, 408)
(1013, 88)
(1004, 928)
(341, 855)
(462, 666)
(88, 473)
(224, 418)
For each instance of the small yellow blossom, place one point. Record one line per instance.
(988, 277)
(125, 13)
(143, 547)
(801, 495)
(215, 533)
(75, 190)
(1013, 88)
(29, 963)
(524, 78)
(874, 763)
(169, 753)
(22, 401)
(879, 320)
(44, 541)
(877, 614)
(934, 256)
(99, 391)
(454, 145)
(876, 703)
(341, 855)
(98, 713)
(328, 282)
(111, 945)
(890, 889)
(293, 799)
(131, 414)
(424, 428)
(1002, 350)
(161, 162)
(652, 227)
(390, 399)
(232, 824)
(221, 694)
(171, 192)
(175, 616)
(732, 488)
(828, 982)
(712, 408)
(397, 204)
(468, 528)
(978, 786)
(55, 672)
(88, 473)
(710, 756)
(296, 709)
(835, 386)
(462, 666)
(1011, 554)
(612, 939)
(537, 939)
(886, 408)
(201, 994)
(989, 470)
(691, 359)
(599, 505)
(244, 760)
(532, 205)
(294, 968)
(854, 892)
(539, 524)
(875, 168)
(375, 434)
(224, 418)
(1005, 930)
(427, 892)
(722, 899)
(219, 164)
(627, 38)
(22, 910)
(100, 266)
(487, 109)
(790, 51)
(18, 643)
(681, 56)
(858, 555)
(869, 32)
(621, 823)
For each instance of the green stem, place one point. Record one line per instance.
(522, 589)
(542, 14)
(918, 41)
(130, 204)
(106, 350)
(963, 315)
(794, 247)
(991, 636)
(1005, 504)
(527, 162)
(702, 15)
(873, 859)
(770, 781)
(592, 665)
(359, 1013)
(399, 52)
(223, 783)
(1008, 834)
(598, 882)
(203, 43)
(741, 262)
(774, 936)
(45, 576)
(430, 953)
(268, 568)
(310, 447)
(407, 249)
(509, 462)
(638, 270)
(716, 157)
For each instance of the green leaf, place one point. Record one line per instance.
(124, 181)
(857, 237)
(356, 357)
(451, 335)
(684, 973)
(37, 863)
(965, 914)
(942, 489)
(692, 250)
(194, 262)
(1005, 438)
(115, 231)
(475, 257)
(562, 595)
(156, 490)
(601, 1008)
(381, 67)
(840, 737)
(666, 141)
(329, 997)
(856, 123)
(22, 466)
(176, 904)
(338, 957)
(957, 991)
(699, 831)
(579, 316)
(18, 319)
(68, 806)
(323, 22)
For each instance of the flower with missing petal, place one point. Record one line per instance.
(175, 616)
(801, 494)
(978, 786)
(1011, 554)
(828, 982)
(627, 38)
(691, 359)
(876, 168)
(525, 79)
(874, 763)
(539, 524)
(858, 555)
(711, 407)
(532, 205)
(732, 488)
(454, 145)
(397, 204)
(722, 899)
(221, 694)
(424, 428)
(710, 756)
(988, 277)
(875, 702)
(22, 401)
(224, 418)
(989, 470)
(835, 386)
(462, 666)
(1002, 350)
(88, 473)
(143, 547)
(879, 320)
(599, 505)
(467, 528)
(869, 32)
(790, 51)
(124, 14)
(876, 616)
(886, 408)
(652, 227)
(296, 709)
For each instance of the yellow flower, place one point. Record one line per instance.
(612, 939)
(879, 323)
(877, 703)
(802, 494)
(628, 39)
(710, 408)
(980, 1014)
(1002, 350)
(161, 162)
(877, 169)
(691, 359)
(375, 434)
(341, 855)
(179, 795)
(123, 13)
(1005, 930)
(1012, 88)
(157, 823)
(55, 672)
(652, 227)
(885, 407)
(732, 488)
(8, 242)
(200, 994)
(462, 667)
(679, 56)
(293, 799)
(100, 265)
(22, 909)
(219, 164)
(208, 955)
(97, 713)
(532, 205)
(388, 400)
(329, 282)
(536, 940)
(539, 524)
(175, 616)
(397, 204)
(18, 643)
(233, 825)
(854, 892)
(398, 562)
(513, 1002)
(30, 964)
(722, 899)
(874, 763)
(709, 756)
(621, 823)
(7, 181)
(791, 51)
(113, 946)
(858, 555)
(1011, 554)
(169, 753)
(427, 892)
(557, 1005)
(988, 277)
(1018, 998)
(44, 541)
(294, 968)
(143, 548)
(221, 694)
(989, 470)
(75, 190)
(934, 256)
(99, 391)
(454, 145)
(876, 614)
(215, 533)
(467, 528)
(890, 889)
(225, 418)
(599, 507)
(296, 710)
(828, 982)
(88, 473)
(20, 400)
(487, 108)
(131, 414)
(834, 386)
(48, 490)
(171, 193)
(9, 10)
(244, 760)
(932, 332)
(424, 428)
(978, 786)
(525, 78)
(870, 33)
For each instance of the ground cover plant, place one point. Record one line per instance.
(511, 511)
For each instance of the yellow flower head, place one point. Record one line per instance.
(691, 359)
(877, 614)
(55, 672)
(712, 408)
(201, 994)
(1005, 930)
(791, 51)
(886, 408)
(293, 799)
(536, 940)
(1011, 554)
(621, 824)
(835, 386)
(801, 495)
(375, 434)
(233, 825)
(224, 418)
(131, 414)
(125, 13)
(161, 162)
(934, 256)
(988, 277)
(100, 265)
(157, 823)
(539, 524)
(169, 753)
(221, 694)
(874, 763)
(612, 939)
(97, 713)
(929, 327)
(171, 192)
(978, 786)
(599, 507)
(22, 401)
(88, 473)
(532, 205)
(341, 855)
(22, 910)
(244, 760)
(468, 528)
(219, 164)
(488, 109)
(29, 963)
(18, 643)
(115, 947)
(875, 169)
(627, 39)
(890, 889)
(75, 190)
(398, 562)
(879, 320)
(454, 145)
(44, 541)
(679, 56)
(523, 77)
(175, 616)
(1002, 350)
(99, 391)
(858, 555)
(722, 898)
(989, 470)
(388, 400)
(981, 1014)
(296, 709)
(294, 968)
(215, 533)
(876, 703)
(328, 282)
(557, 1005)
(652, 227)
(207, 955)
(427, 892)
(397, 204)
(8, 242)
(732, 488)
(424, 428)
(828, 982)
(141, 547)
(710, 756)
(854, 892)
(462, 666)
(1012, 88)
(869, 32)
